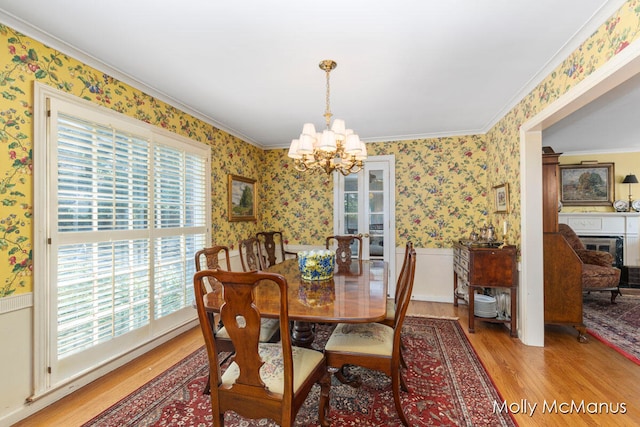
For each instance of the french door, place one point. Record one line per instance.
(364, 204)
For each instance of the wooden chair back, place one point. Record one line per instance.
(403, 272)
(247, 393)
(343, 243)
(391, 305)
(211, 258)
(271, 246)
(250, 256)
(403, 299)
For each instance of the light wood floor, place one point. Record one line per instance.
(564, 371)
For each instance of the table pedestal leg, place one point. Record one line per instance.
(302, 334)
(345, 377)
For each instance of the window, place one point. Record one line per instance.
(125, 208)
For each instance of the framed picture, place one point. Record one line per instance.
(587, 184)
(243, 198)
(501, 195)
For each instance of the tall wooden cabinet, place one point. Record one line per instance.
(550, 190)
(562, 267)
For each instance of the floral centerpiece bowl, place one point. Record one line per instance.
(316, 264)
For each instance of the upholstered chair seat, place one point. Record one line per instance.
(368, 338)
(597, 276)
(598, 273)
(305, 361)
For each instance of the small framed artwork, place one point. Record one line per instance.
(587, 184)
(501, 195)
(243, 198)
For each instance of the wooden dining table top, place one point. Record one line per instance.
(356, 295)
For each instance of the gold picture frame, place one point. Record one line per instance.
(501, 197)
(587, 184)
(243, 198)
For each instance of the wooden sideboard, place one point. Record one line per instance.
(476, 268)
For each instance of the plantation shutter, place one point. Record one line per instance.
(103, 188)
(128, 209)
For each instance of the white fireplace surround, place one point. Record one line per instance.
(624, 224)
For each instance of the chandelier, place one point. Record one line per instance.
(335, 148)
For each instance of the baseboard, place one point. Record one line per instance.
(51, 397)
(431, 298)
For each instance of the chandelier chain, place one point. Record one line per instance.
(327, 111)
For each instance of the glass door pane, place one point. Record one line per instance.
(376, 213)
(352, 209)
(364, 204)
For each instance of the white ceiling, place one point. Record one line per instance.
(608, 124)
(406, 69)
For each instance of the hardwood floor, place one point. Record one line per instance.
(564, 371)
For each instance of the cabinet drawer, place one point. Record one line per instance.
(462, 273)
(463, 264)
(463, 280)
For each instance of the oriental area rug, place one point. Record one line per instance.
(448, 387)
(616, 325)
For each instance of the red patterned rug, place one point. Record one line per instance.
(448, 387)
(616, 325)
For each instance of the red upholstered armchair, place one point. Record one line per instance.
(598, 274)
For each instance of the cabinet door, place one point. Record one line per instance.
(492, 268)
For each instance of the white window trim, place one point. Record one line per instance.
(41, 294)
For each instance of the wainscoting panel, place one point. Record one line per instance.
(434, 274)
(16, 302)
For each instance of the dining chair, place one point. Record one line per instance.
(391, 303)
(269, 328)
(271, 246)
(211, 258)
(250, 256)
(374, 345)
(264, 380)
(343, 243)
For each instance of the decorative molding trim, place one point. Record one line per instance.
(16, 302)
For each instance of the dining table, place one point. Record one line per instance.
(357, 293)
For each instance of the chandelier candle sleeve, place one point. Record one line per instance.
(335, 148)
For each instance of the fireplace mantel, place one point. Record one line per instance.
(625, 224)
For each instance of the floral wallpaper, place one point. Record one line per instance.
(300, 204)
(440, 192)
(503, 145)
(24, 61)
(444, 185)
